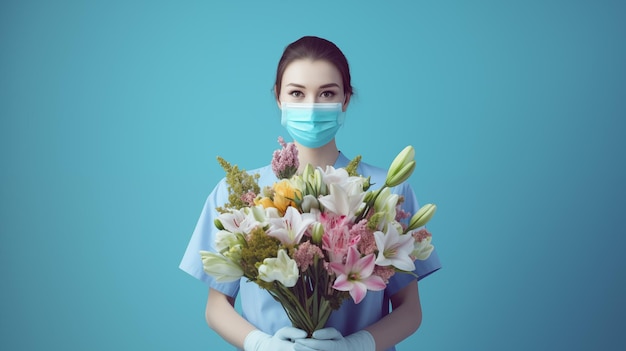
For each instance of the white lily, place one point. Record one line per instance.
(352, 184)
(340, 202)
(290, 228)
(394, 249)
(271, 212)
(309, 202)
(220, 267)
(283, 269)
(334, 175)
(423, 247)
(225, 240)
(241, 221)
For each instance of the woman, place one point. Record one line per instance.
(312, 70)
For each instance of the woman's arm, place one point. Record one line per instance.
(222, 317)
(404, 319)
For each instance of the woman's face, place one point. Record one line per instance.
(308, 81)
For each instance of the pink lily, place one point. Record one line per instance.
(356, 275)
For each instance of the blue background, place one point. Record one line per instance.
(112, 114)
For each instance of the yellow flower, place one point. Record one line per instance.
(266, 202)
(284, 195)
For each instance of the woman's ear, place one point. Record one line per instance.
(276, 97)
(346, 102)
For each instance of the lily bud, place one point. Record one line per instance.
(369, 196)
(317, 233)
(218, 224)
(258, 212)
(403, 174)
(309, 202)
(320, 186)
(307, 173)
(407, 154)
(401, 167)
(234, 253)
(376, 221)
(422, 216)
(382, 198)
(367, 182)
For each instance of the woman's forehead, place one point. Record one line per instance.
(311, 73)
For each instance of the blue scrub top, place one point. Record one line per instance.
(258, 307)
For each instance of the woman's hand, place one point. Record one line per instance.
(404, 319)
(283, 340)
(330, 339)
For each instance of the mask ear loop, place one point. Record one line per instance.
(341, 117)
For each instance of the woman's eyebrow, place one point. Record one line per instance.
(329, 85)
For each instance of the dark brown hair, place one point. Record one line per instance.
(314, 48)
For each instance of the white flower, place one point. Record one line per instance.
(220, 267)
(309, 202)
(394, 249)
(282, 269)
(234, 253)
(423, 247)
(243, 220)
(271, 212)
(342, 202)
(386, 203)
(312, 178)
(290, 228)
(351, 184)
(297, 183)
(334, 175)
(225, 240)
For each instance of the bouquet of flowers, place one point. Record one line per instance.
(314, 239)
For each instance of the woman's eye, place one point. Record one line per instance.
(296, 93)
(327, 94)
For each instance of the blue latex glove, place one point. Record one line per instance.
(330, 339)
(283, 340)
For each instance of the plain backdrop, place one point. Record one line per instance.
(113, 113)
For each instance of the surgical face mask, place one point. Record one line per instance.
(312, 125)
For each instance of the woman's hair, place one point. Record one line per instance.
(314, 48)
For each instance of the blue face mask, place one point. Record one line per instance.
(312, 125)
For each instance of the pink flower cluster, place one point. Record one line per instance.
(305, 254)
(352, 250)
(285, 161)
(421, 235)
(249, 198)
(337, 236)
